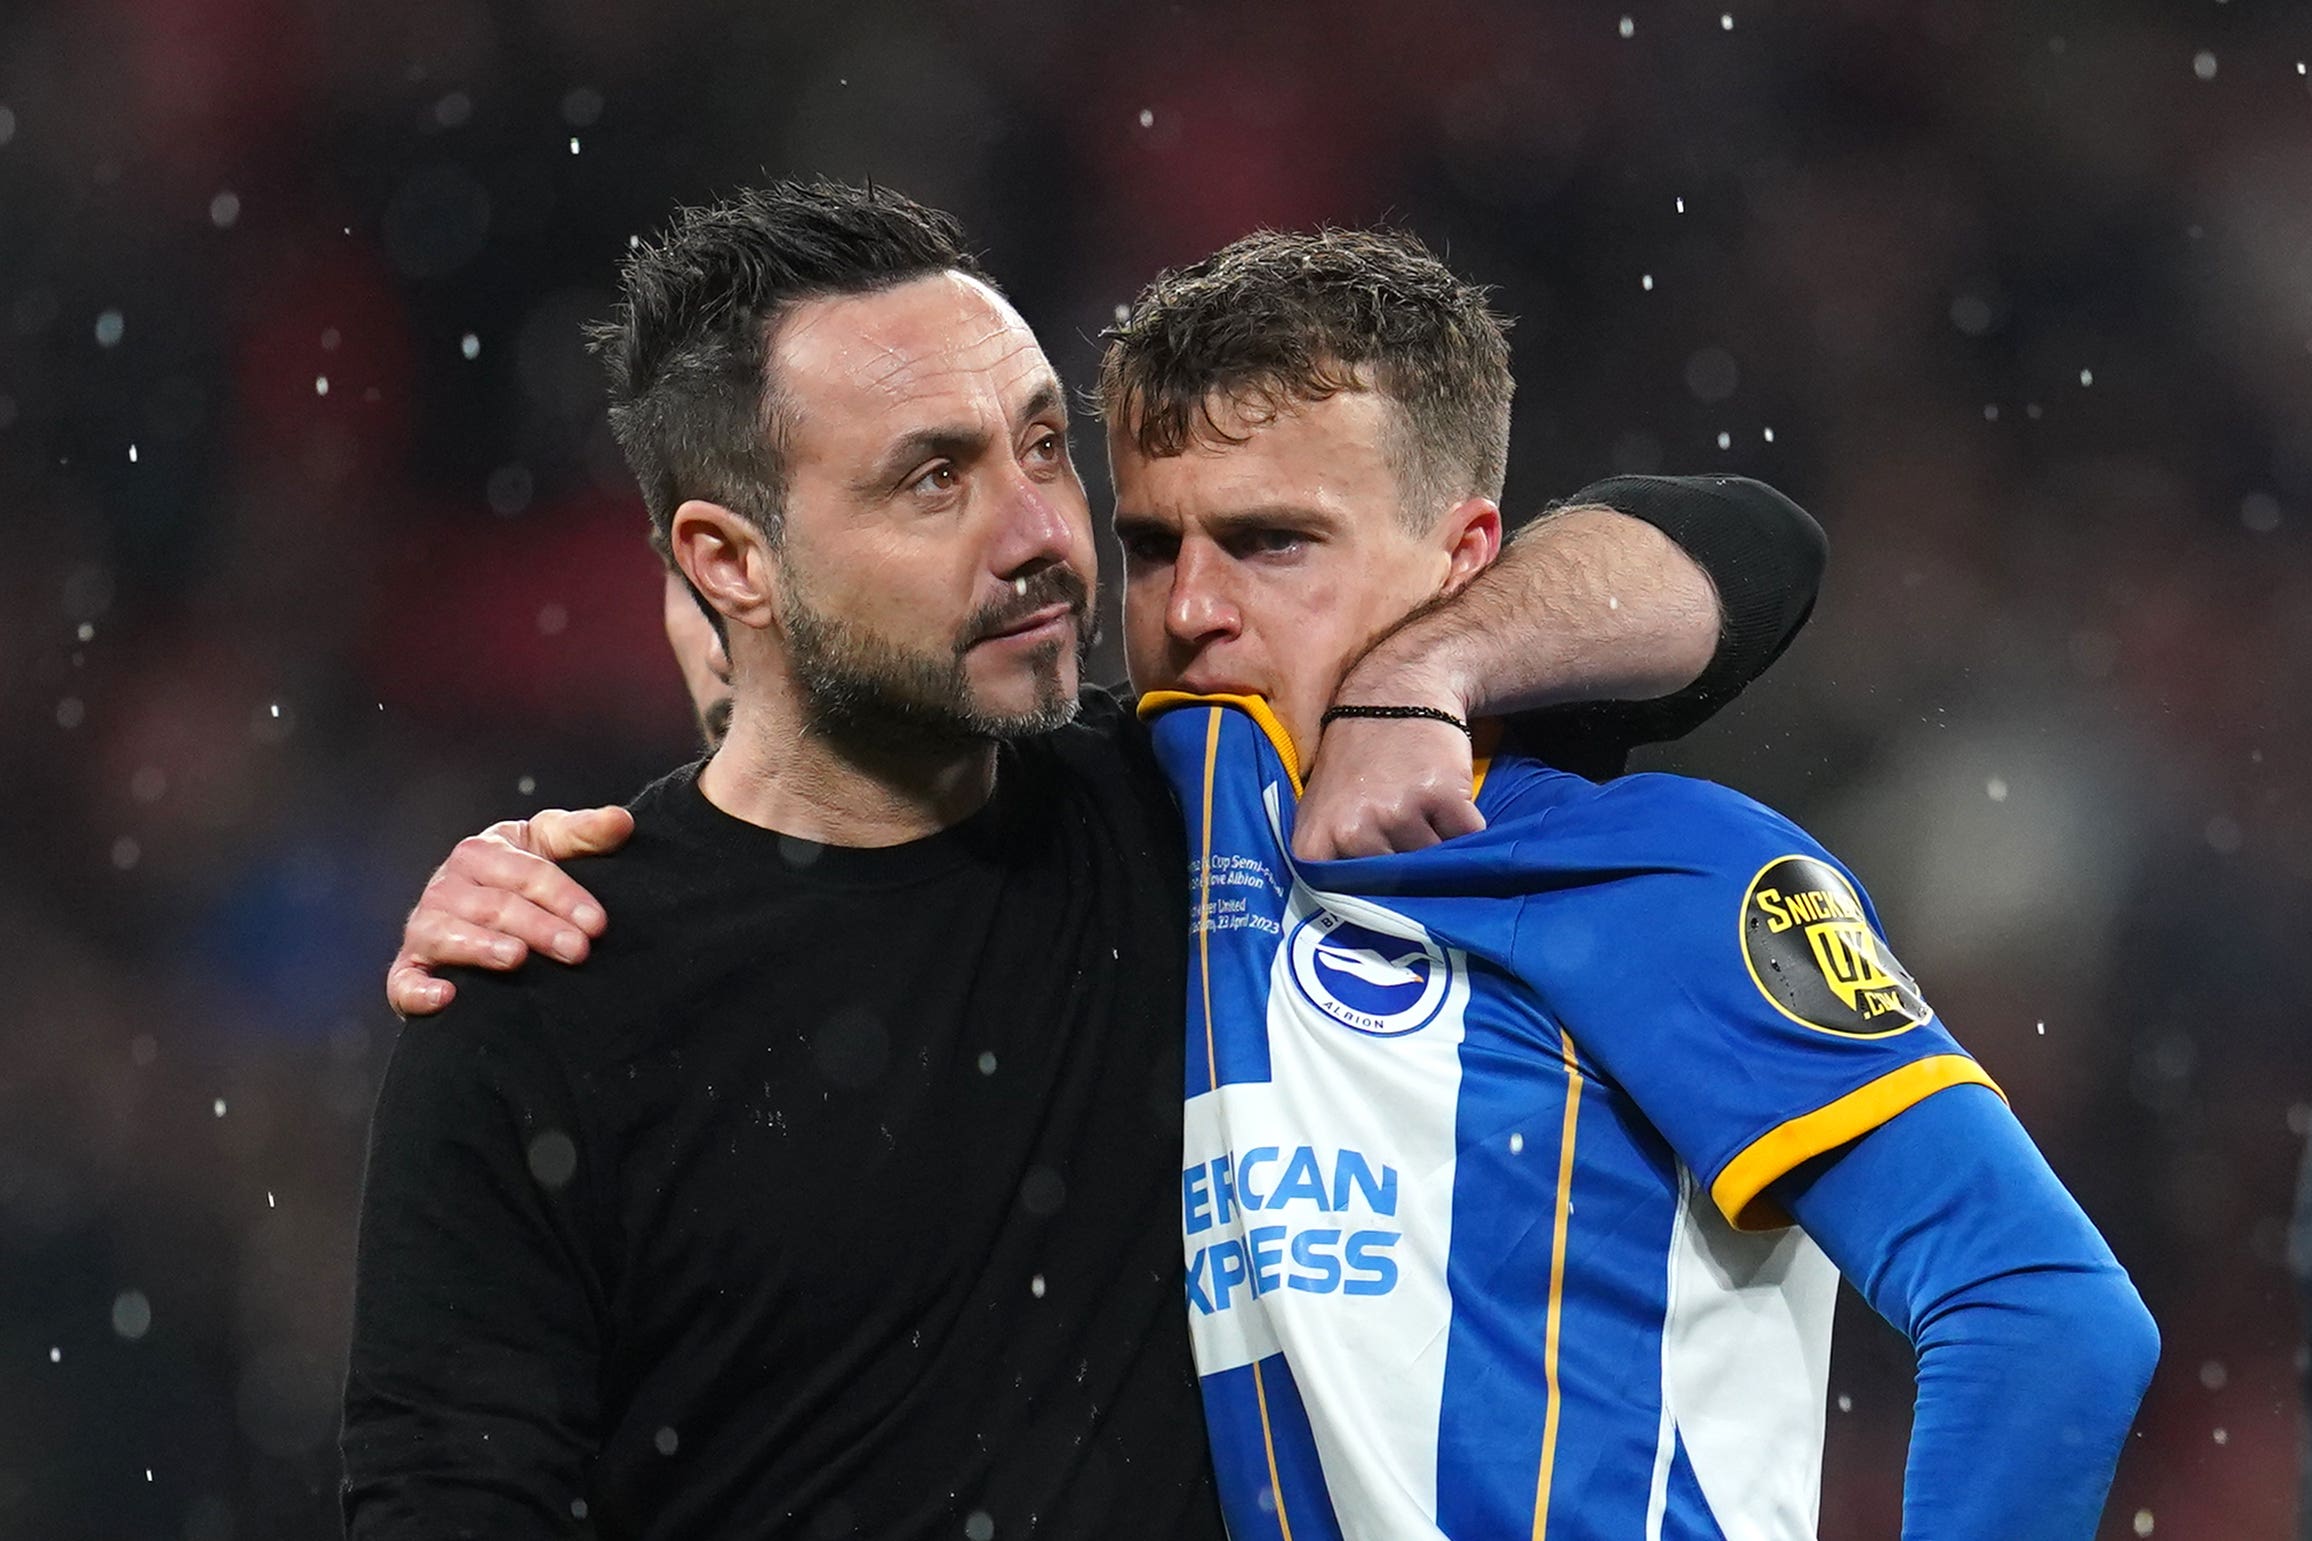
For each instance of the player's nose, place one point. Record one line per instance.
(1199, 609)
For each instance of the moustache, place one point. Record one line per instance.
(1054, 585)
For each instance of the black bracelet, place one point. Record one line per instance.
(1394, 713)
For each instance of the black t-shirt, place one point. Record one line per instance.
(831, 1197)
(837, 1194)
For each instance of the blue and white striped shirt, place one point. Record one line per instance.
(1479, 1143)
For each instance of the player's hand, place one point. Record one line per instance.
(499, 898)
(1382, 785)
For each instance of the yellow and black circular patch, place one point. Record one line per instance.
(1813, 955)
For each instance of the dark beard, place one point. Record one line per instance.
(865, 690)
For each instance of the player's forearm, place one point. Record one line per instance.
(2034, 1349)
(2027, 1386)
(1587, 604)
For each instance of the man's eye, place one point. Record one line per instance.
(1271, 541)
(1150, 548)
(940, 478)
(1050, 449)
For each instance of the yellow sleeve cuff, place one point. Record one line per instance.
(1740, 1191)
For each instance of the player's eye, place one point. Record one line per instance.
(1272, 540)
(1048, 448)
(1149, 546)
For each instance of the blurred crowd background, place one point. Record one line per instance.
(318, 555)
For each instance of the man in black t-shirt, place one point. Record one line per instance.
(834, 1195)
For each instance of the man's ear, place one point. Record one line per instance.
(1471, 535)
(727, 560)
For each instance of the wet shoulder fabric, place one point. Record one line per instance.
(1479, 1143)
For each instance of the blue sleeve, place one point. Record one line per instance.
(2033, 1347)
(1720, 968)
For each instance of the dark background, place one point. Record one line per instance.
(317, 555)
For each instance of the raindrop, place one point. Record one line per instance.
(2042, 1029)
(2223, 1437)
(274, 710)
(1725, 440)
(1629, 28)
(553, 1158)
(1770, 436)
(109, 326)
(977, 1526)
(1681, 205)
(269, 1199)
(573, 144)
(126, 853)
(56, 1356)
(2087, 377)
(2204, 65)
(987, 1062)
(1147, 117)
(2213, 1375)
(1990, 412)
(526, 786)
(1646, 282)
(1517, 1144)
(132, 454)
(2222, 834)
(2260, 512)
(1711, 375)
(470, 346)
(2143, 1522)
(553, 620)
(218, 1107)
(667, 1441)
(1726, 21)
(330, 338)
(71, 712)
(1972, 314)
(321, 385)
(1845, 1403)
(509, 490)
(1997, 788)
(225, 209)
(1036, 1286)
(453, 110)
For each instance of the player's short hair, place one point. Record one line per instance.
(692, 401)
(1278, 318)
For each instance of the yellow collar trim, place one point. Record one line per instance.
(1157, 702)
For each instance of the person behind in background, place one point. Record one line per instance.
(1494, 1148)
(833, 1196)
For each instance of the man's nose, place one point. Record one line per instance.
(1199, 609)
(1035, 529)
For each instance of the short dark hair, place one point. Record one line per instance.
(1278, 317)
(688, 348)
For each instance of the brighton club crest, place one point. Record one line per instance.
(1378, 982)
